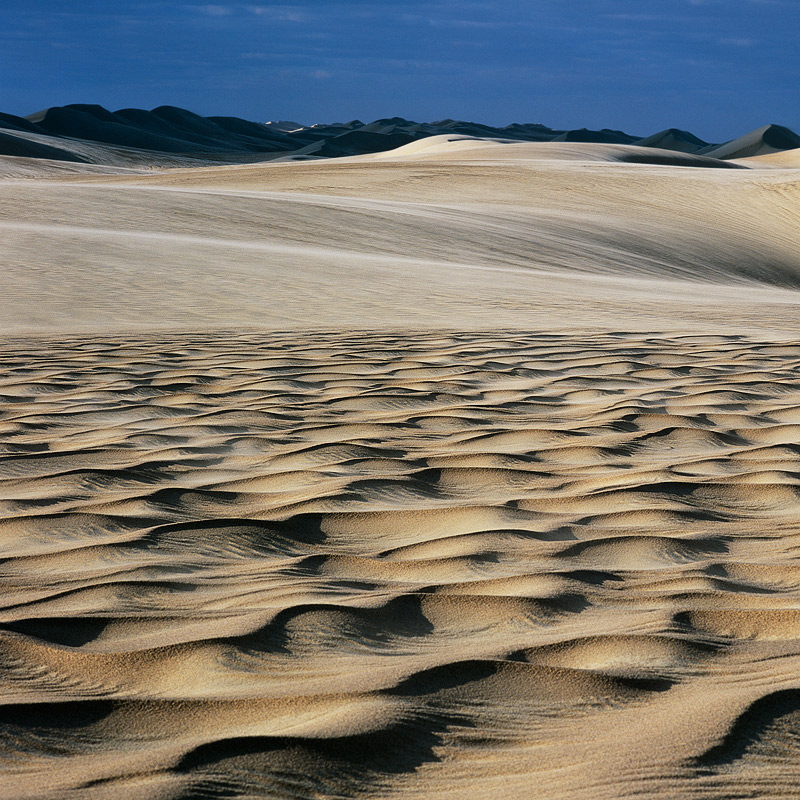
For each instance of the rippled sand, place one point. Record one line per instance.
(549, 552)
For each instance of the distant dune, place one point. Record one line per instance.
(760, 142)
(169, 136)
(674, 139)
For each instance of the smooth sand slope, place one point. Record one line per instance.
(471, 470)
(469, 235)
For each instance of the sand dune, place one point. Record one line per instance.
(470, 469)
(762, 141)
(268, 245)
(168, 136)
(786, 159)
(219, 578)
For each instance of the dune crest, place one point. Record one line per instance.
(168, 136)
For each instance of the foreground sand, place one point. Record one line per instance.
(467, 472)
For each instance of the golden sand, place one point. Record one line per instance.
(467, 471)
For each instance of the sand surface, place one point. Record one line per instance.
(466, 470)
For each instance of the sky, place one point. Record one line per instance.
(716, 67)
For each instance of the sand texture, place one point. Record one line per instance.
(466, 470)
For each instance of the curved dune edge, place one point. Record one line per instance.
(459, 235)
(786, 159)
(418, 565)
(444, 145)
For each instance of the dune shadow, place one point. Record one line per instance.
(768, 730)
(345, 766)
(66, 631)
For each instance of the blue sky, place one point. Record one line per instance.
(716, 67)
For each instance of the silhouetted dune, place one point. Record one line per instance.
(762, 141)
(13, 123)
(604, 136)
(674, 139)
(253, 131)
(169, 131)
(92, 125)
(354, 143)
(151, 122)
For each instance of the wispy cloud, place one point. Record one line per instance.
(213, 10)
(637, 17)
(284, 13)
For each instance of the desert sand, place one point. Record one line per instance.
(470, 469)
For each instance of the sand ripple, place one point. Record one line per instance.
(455, 565)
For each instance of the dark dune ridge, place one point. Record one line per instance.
(167, 132)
